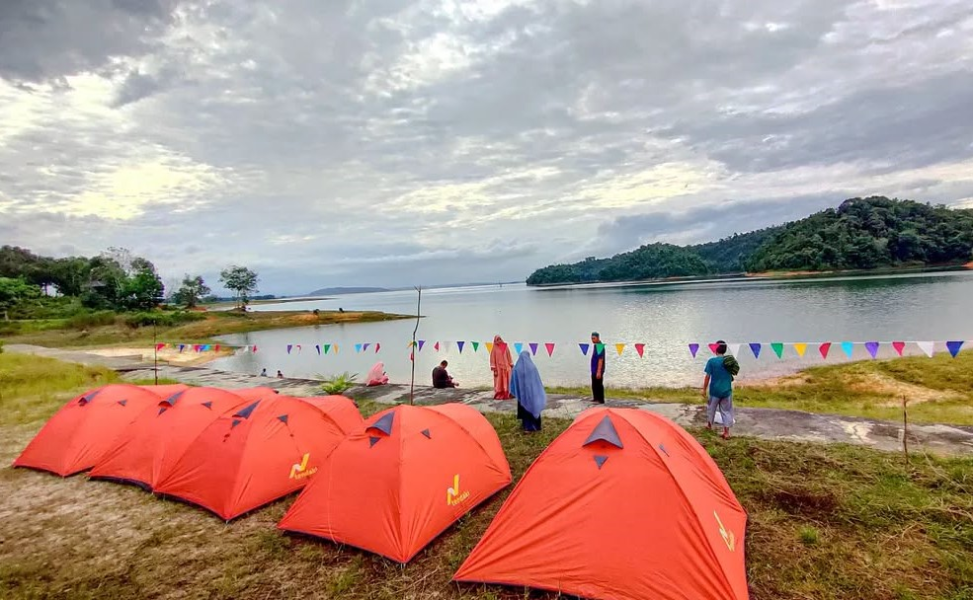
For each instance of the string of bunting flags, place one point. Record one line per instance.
(929, 348)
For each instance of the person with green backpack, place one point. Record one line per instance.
(718, 388)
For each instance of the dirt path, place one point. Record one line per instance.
(766, 423)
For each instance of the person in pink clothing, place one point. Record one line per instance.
(377, 375)
(501, 363)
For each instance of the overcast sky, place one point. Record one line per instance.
(391, 143)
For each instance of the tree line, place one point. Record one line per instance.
(862, 233)
(113, 280)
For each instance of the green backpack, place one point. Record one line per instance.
(731, 365)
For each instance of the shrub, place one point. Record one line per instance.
(338, 384)
(96, 318)
(161, 319)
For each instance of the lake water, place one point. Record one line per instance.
(666, 318)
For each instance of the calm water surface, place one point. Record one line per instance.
(927, 307)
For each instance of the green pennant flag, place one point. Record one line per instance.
(327, 348)
(778, 349)
(600, 348)
(476, 346)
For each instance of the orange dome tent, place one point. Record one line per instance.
(80, 433)
(161, 433)
(395, 485)
(623, 505)
(265, 450)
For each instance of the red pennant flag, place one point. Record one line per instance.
(640, 348)
(216, 348)
(713, 347)
(254, 348)
(436, 347)
(550, 349)
(377, 347)
(899, 347)
(824, 349)
(159, 347)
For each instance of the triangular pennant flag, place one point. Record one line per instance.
(619, 348)
(519, 348)
(357, 348)
(159, 346)
(245, 349)
(318, 348)
(533, 348)
(447, 346)
(899, 347)
(378, 346)
(436, 347)
(824, 348)
(872, 348)
(778, 349)
(289, 347)
(800, 348)
(713, 347)
(336, 348)
(848, 348)
(460, 345)
(928, 347)
(327, 348)
(640, 348)
(489, 346)
(550, 349)
(476, 346)
(299, 348)
(364, 347)
(254, 347)
(693, 349)
(216, 348)
(600, 348)
(206, 348)
(421, 344)
(954, 347)
(584, 348)
(733, 349)
(755, 348)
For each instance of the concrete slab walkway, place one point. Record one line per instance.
(765, 423)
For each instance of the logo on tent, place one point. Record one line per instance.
(727, 535)
(300, 470)
(453, 495)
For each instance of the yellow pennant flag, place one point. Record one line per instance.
(489, 346)
(801, 348)
(336, 348)
(619, 347)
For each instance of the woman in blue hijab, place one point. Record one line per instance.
(526, 387)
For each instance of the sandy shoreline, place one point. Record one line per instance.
(167, 355)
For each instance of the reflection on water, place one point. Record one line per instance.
(665, 317)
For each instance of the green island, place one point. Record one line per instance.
(825, 521)
(861, 235)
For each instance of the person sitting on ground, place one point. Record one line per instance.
(377, 376)
(718, 388)
(263, 372)
(279, 374)
(526, 386)
(441, 379)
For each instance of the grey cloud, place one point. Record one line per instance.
(48, 39)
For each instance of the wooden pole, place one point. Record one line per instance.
(905, 428)
(412, 384)
(155, 353)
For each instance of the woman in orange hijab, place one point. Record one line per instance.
(501, 362)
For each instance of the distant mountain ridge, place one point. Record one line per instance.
(340, 291)
(862, 233)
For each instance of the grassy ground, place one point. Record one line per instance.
(939, 390)
(825, 522)
(61, 333)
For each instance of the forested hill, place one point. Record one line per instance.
(860, 234)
